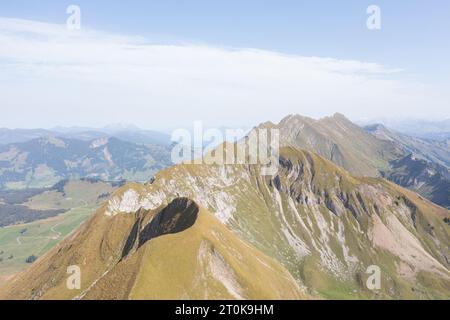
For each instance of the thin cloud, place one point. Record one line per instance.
(90, 77)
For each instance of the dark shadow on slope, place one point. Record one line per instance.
(176, 217)
(430, 180)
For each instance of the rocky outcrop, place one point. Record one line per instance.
(316, 219)
(176, 217)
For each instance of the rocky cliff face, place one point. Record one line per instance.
(430, 180)
(324, 225)
(311, 230)
(424, 168)
(435, 151)
(372, 151)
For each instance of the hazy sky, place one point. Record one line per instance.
(164, 64)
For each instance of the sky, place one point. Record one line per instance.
(165, 64)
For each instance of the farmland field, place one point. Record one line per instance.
(21, 241)
(77, 199)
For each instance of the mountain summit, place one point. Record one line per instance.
(338, 139)
(373, 151)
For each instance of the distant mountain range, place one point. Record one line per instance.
(8, 136)
(429, 179)
(431, 130)
(437, 151)
(44, 161)
(424, 167)
(126, 133)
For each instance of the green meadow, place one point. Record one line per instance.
(36, 238)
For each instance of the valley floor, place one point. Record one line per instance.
(36, 238)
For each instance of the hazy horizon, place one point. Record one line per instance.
(129, 126)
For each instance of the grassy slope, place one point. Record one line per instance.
(292, 225)
(39, 238)
(316, 245)
(76, 194)
(338, 139)
(204, 261)
(80, 197)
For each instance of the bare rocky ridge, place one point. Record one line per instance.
(425, 167)
(431, 150)
(429, 179)
(372, 151)
(337, 139)
(313, 214)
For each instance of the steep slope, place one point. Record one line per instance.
(425, 129)
(323, 225)
(429, 179)
(423, 169)
(373, 151)
(434, 151)
(37, 220)
(45, 161)
(178, 252)
(339, 140)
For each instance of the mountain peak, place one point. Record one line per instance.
(379, 130)
(374, 127)
(299, 118)
(294, 119)
(339, 115)
(53, 140)
(266, 125)
(338, 139)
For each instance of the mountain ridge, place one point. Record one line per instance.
(320, 223)
(373, 151)
(127, 133)
(434, 151)
(45, 161)
(338, 139)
